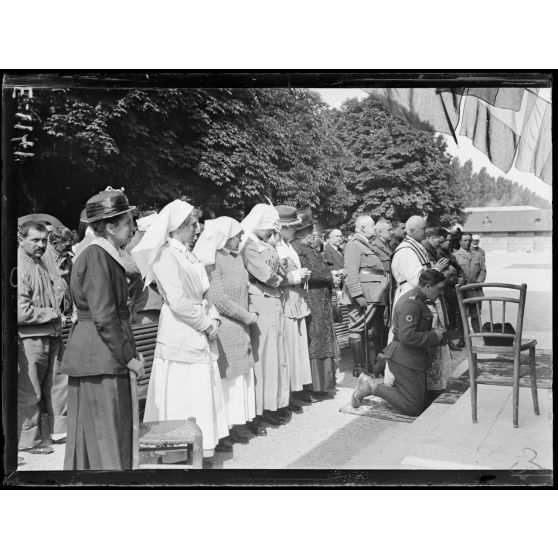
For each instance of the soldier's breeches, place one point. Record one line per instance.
(408, 393)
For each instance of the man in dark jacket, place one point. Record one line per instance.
(333, 255)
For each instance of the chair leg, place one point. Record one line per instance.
(516, 391)
(533, 376)
(473, 383)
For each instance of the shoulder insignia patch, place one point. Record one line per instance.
(409, 318)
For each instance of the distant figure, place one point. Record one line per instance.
(474, 270)
(86, 235)
(59, 264)
(333, 255)
(398, 234)
(434, 236)
(455, 238)
(475, 245)
(145, 303)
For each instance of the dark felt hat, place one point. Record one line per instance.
(105, 205)
(287, 214)
(306, 219)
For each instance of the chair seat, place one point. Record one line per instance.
(503, 350)
(167, 434)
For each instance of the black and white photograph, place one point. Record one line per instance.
(296, 276)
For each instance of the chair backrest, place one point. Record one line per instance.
(496, 309)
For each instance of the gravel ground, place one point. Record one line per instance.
(323, 438)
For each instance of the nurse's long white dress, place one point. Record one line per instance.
(185, 380)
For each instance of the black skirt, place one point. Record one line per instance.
(99, 423)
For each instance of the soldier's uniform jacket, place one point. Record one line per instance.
(412, 332)
(473, 266)
(364, 273)
(384, 253)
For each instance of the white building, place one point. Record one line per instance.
(515, 227)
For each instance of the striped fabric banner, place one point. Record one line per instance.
(512, 126)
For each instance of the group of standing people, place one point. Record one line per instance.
(245, 328)
(245, 320)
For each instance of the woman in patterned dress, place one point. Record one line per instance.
(228, 291)
(321, 335)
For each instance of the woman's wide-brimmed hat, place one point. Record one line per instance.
(106, 204)
(306, 219)
(287, 215)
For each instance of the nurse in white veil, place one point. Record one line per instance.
(184, 378)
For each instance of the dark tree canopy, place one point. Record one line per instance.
(224, 149)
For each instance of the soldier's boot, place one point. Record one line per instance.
(371, 358)
(356, 352)
(365, 387)
(380, 365)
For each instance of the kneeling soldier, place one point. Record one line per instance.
(407, 354)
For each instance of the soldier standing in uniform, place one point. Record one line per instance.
(365, 293)
(382, 249)
(407, 354)
(474, 270)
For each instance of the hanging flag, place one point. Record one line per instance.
(426, 109)
(508, 124)
(522, 134)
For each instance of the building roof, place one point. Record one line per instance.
(507, 219)
(502, 208)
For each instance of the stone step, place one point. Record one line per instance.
(456, 443)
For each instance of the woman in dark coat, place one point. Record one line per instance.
(321, 335)
(101, 349)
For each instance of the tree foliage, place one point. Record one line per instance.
(485, 190)
(396, 171)
(224, 149)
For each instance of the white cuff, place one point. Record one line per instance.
(294, 277)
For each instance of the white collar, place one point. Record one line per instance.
(173, 243)
(117, 255)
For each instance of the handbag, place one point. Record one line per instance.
(498, 328)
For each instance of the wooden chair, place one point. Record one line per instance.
(505, 353)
